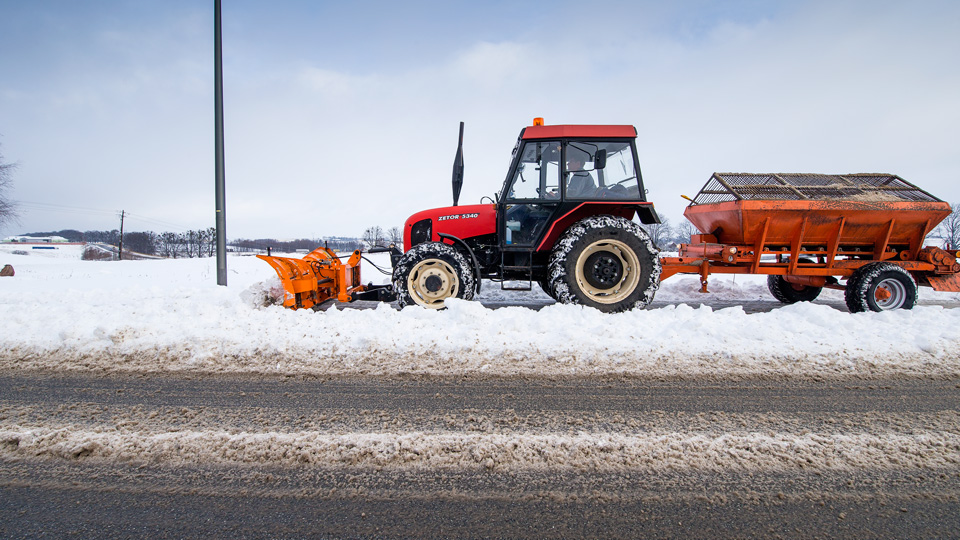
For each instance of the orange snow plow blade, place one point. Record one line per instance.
(320, 276)
(317, 277)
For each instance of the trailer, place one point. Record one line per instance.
(808, 231)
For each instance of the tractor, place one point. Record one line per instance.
(566, 218)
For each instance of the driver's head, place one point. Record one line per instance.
(575, 159)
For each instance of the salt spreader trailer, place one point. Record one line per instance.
(807, 231)
(566, 216)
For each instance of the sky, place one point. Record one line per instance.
(343, 115)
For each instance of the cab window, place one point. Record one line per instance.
(600, 170)
(538, 172)
(533, 193)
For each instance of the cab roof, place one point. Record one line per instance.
(578, 131)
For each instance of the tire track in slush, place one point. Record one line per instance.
(177, 456)
(537, 425)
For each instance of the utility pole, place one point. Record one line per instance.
(120, 249)
(219, 190)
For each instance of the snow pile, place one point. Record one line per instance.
(170, 316)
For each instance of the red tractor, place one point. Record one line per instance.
(563, 219)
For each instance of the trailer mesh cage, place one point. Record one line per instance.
(865, 187)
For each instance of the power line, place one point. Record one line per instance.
(79, 210)
(139, 217)
(64, 208)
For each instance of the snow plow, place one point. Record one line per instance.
(568, 219)
(321, 276)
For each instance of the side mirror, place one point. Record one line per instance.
(600, 161)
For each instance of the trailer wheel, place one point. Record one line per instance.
(789, 293)
(605, 262)
(880, 286)
(430, 273)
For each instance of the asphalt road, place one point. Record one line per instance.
(537, 302)
(141, 481)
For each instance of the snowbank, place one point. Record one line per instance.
(149, 316)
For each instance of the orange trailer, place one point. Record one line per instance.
(807, 230)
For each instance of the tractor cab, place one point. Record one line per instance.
(558, 175)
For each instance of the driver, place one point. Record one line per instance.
(580, 184)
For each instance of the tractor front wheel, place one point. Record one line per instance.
(605, 262)
(430, 273)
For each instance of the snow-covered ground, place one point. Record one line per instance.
(62, 313)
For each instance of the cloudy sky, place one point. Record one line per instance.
(342, 115)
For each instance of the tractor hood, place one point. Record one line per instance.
(460, 221)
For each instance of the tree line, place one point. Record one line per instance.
(202, 242)
(258, 245)
(376, 237)
(188, 244)
(198, 243)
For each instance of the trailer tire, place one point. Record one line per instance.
(605, 262)
(430, 273)
(880, 286)
(789, 293)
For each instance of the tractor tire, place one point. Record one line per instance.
(545, 285)
(430, 273)
(605, 262)
(880, 286)
(788, 293)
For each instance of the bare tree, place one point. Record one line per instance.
(395, 235)
(684, 231)
(211, 248)
(949, 229)
(140, 242)
(661, 232)
(373, 236)
(8, 208)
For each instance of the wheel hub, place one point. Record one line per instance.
(603, 270)
(607, 271)
(890, 294)
(433, 283)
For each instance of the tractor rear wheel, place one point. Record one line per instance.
(880, 286)
(545, 285)
(430, 273)
(605, 262)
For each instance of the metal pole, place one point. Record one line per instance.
(218, 120)
(120, 249)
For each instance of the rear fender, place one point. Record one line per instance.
(644, 211)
